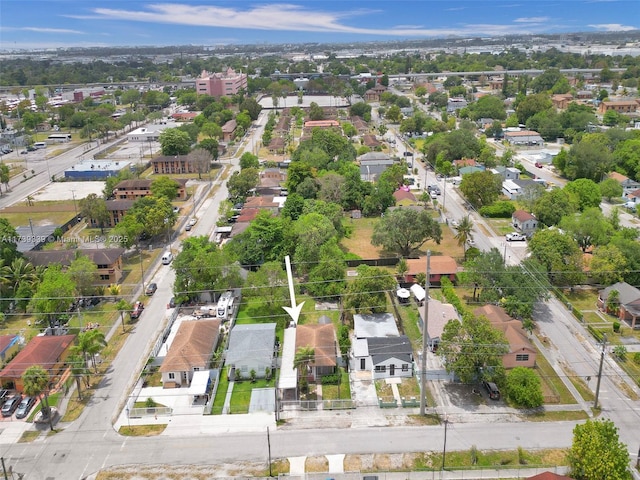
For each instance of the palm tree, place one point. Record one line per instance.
(302, 360)
(20, 270)
(123, 306)
(464, 233)
(79, 372)
(89, 344)
(36, 382)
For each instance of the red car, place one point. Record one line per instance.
(138, 307)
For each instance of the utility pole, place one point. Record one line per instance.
(4, 469)
(444, 445)
(425, 323)
(269, 447)
(604, 346)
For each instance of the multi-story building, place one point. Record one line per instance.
(226, 83)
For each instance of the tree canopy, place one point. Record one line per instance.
(404, 230)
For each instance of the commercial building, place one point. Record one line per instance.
(95, 169)
(226, 83)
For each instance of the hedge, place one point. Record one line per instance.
(500, 209)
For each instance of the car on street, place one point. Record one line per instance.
(138, 307)
(172, 303)
(515, 237)
(471, 242)
(193, 221)
(538, 164)
(454, 223)
(10, 405)
(25, 407)
(151, 289)
(492, 390)
(176, 209)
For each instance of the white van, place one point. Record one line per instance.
(167, 257)
(40, 145)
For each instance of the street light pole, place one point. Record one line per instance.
(425, 323)
(444, 445)
(604, 346)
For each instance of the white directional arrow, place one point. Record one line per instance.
(294, 309)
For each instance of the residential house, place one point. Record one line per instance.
(374, 325)
(628, 185)
(548, 476)
(511, 189)
(620, 106)
(266, 202)
(46, 351)
(229, 130)
(389, 357)
(628, 302)
(561, 101)
(271, 181)
(277, 146)
(521, 353)
(184, 116)
(107, 260)
(524, 221)
(465, 162)
(370, 141)
(523, 137)
(191, 351)
(136, 188)
(9, 345)
(440, 266)
(171, 165)
(251, 347)
(439, 315)
(508, 173)
(404, 196)
(322, 338)
(360, 125)
(455, 104)
(373, 94)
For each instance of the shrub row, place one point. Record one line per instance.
(500, 209)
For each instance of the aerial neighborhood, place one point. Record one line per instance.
(312, 234)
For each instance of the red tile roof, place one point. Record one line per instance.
(45, 351)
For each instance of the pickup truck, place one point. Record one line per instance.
(515, 237)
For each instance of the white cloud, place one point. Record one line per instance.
(532, 19)
(613, 27)
(288, 17)
(42, 30)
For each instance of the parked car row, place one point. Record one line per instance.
(18, 404)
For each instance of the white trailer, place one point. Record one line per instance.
(225, 306)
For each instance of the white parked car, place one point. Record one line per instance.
(193, 221)
(515, 237)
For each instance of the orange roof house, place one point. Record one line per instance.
(322, 339)
(440, 266)
(521, 353)
(47, 351)
(190, 351)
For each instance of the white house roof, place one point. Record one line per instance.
(439, 315)
(200, 382)
(375, 325)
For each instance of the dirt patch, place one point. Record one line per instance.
(465, 395)
(316, 464)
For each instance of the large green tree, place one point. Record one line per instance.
(481, 188)
(473, 349)
(404, 230)
(241, 183)
(84, 274)
(269, 284)
(367, 292)
(597, 452)
(552, 205)
(94, 209)
(311, 231)
(54, 295)
(164, 186)
(523, 387)
(586, 191)
(174, 142)
(328, 277)
(560, 255)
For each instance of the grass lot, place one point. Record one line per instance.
(492, 458)
(583, 299)
(332, 392)
(409, 317)
(41, 213)
(553, 389)
(501, 226)
(221, 393)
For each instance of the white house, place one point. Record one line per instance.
(389, 357)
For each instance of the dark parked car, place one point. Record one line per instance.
(10, 405)
(492, 390)
(151, 289)
(25, 407)
(172, 303)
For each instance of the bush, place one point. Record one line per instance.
(499, 209)
(616, 327)
(333, 379)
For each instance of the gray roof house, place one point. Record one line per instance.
(389, 357)
(251, 347)
(628, 304)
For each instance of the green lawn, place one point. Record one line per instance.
(552, 385)
(221, 393)
(241, 396)
(333, 392)
(583, 299)
(410, 316)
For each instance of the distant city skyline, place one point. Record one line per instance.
(41, 24)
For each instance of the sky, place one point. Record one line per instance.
(31, 24)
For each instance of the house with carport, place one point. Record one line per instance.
(322, 339)
(47, 351)
(191, 350)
